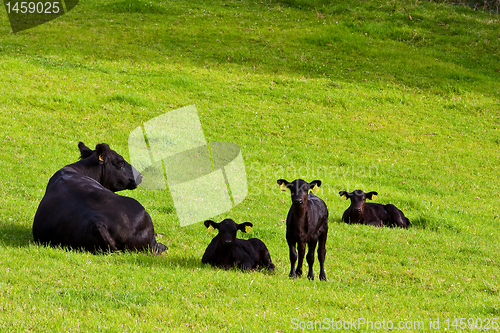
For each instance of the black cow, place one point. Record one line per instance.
(371, 213)
(80, 210)
(226, 251)
(306, 223)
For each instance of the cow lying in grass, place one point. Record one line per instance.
(80, 209)
(306, 223)
(371, 213)
(227, 251)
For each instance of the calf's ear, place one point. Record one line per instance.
(282, 183)
(211, 225)
(343, 195)
(103, 151)
(314, 186)
(372, 195)
(84, 150)
(245, 227)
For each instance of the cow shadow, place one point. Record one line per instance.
(15, 235)
(149, 259)
(428, 223)
(185, 262)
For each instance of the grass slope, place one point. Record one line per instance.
(354, 93)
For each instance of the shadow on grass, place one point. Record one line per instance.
(424, 222)
(166, 259)
(340, 222)
(185, 262)
(15, 235)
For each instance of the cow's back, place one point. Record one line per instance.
(263, 257)
(395, 217)
(63, 208)
(375, 209)
(244, 255)
(317, 214)
(316, 220)
(75, 206)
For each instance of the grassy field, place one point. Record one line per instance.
(398, 97)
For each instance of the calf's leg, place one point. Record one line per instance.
(102, 231)
(302, 251)
(310, 259)
(158, 248)
(321, 255)
(293, 259)
(375, 221)
(266, 262)
(398, 219)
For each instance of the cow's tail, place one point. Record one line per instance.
(103, 232)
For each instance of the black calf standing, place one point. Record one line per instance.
(227, 251)
(372, 213)
(306, 223)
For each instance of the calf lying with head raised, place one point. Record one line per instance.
(227, 251)
(372, 213)
(80, 209)
(306, 223)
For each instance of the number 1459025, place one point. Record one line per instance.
(38, 7)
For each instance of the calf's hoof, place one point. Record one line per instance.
(159, 248)
(322, 276)
(310, 276)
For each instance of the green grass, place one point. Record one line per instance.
(352, 93)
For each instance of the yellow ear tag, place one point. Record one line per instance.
(248, 229)
(100, 158)
(283, 187)
(210, 228)
(374, 197)
(344, 197)
(315, 189)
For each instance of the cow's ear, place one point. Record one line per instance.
(102, 151)
(211, 225)
(84, 150)
(314, 186)
(245, 227)
(282, 183)
(344, 195)
(372, 195)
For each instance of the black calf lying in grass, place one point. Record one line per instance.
(226, 251)
(306, 223)
(372, 213)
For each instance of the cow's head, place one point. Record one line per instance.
(227, 230)
(299, 189)
(116, 174)
(358, 199)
